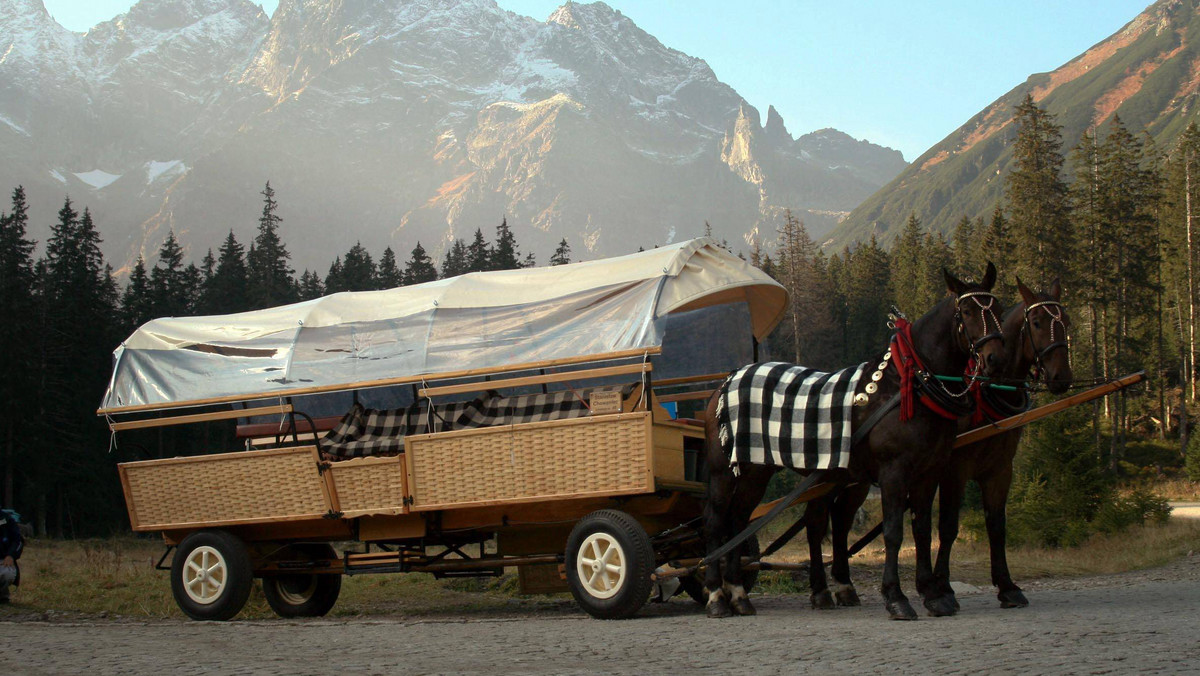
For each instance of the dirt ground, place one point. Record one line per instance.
(1143, 622)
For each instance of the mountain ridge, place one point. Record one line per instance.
(398, 122)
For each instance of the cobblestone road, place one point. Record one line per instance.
(1137, 622)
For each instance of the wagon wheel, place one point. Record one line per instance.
(693, 584)
(303, 594)
(211, 575)
(609, 562)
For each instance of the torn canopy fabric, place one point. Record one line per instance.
(474, 321)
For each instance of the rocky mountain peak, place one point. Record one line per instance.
(775, 131)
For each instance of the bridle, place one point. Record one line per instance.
(1056, 318)
(986, 311)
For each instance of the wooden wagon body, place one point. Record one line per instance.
(619, 489)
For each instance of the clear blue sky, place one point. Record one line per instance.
(902, 74)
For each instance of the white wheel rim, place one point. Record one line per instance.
(204, 574)
(601, 565)
(296, 598)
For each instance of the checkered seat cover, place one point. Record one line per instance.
(371, 432)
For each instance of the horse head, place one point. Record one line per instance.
(1044, 336)
(977, 313)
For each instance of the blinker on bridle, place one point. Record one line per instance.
(1056, 318)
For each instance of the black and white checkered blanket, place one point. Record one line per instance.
(786, 415)
(364, 431)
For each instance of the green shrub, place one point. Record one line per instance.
(1192, 462)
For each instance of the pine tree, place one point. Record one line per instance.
(1181, 233)
(17, 306)
(456, 260)
(227, 290)
(358, 271)
(936, 256)
(1037, 196)
(269, 275)
(310, 286)
(137, 302)
(803, 273)
(505, 255)
(479, 254)
(389, 275)
(867, 300)
(907, 268)
(333, 278)
(169, 292)
(419, 268)
(966, 248)
(562, 255)
(996, 247)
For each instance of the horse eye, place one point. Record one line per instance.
(1037, 325)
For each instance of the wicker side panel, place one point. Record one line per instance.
(227, 488)
(369, 485)
(585, 456)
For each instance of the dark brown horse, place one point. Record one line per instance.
(902, 456)
(1035, 341)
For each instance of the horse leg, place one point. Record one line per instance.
(894, 498)
(816, 524)
(921, 501)
(721, 486)
(751, 486)
(995, 496)
(845, 505)
(950, 494)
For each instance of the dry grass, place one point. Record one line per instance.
(115, 577)
(1176, 490)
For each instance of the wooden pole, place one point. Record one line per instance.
(1022, 419)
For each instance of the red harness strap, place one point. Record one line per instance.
(907, 362)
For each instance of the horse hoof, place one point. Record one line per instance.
(1012, 598)
(742, 606)
(823, 600)
(901, 610)
(846, 596)
(942, 606)
(719, 607)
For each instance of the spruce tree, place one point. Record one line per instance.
(333, 278)
(420, 267)
(269, 275)
(867, 300)
(1036, 196)
(936, 255)
(358, 271)
(17, 306)
(310, 286)
(907, 268)
(137, 302)
(227, 291)
(479, 254)
(455, 263)
(389, 275)
(168, 281)
(966, 248)
(505, 255)
(562, 255)
(995, 246)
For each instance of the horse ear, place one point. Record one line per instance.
(989, 277)
(1026, 293)
(1056, 289)
(953, 283)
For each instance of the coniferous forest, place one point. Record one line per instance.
(1109, 215)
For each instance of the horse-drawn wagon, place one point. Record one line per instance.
(523, 422)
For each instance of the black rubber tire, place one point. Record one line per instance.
(634, 589)
(693, 585)
(303, 594)
(239, 576)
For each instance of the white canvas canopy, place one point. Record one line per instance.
(474, 321)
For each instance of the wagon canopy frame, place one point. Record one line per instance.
(477, 323)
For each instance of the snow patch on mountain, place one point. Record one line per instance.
(15, 127)
(97, 178)
(155, 169)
